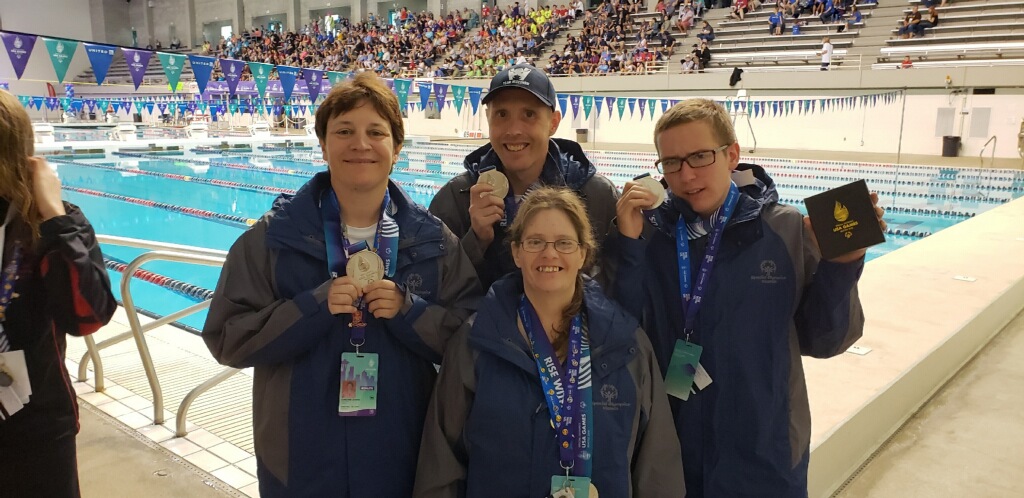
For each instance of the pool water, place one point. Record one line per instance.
(241, 187)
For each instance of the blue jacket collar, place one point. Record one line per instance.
(496, 329)
(566, 165)
(753, 199)
(295, 221)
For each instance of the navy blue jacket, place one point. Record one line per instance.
(270, 311)
(488, 431)
(770, 300)
(566, 166)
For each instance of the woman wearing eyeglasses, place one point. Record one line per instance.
(553, 385)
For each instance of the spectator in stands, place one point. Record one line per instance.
(828, 14)
(854, 18)
(689, 63)
(739, 9)
(776, 22)
(668, 42)
(685, 20)
(703, 55)
(286, 306)
(53, 283)
(907, 63)
(707, 33)
(913, 19)
(175, 43)
(522, 116)
(931, 22)
(825, 53)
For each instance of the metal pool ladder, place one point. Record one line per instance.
(158, 251)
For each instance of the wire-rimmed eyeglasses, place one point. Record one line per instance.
(564, 246)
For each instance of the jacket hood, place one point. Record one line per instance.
(566, 164)
(295, 222)
(757, 191)
(496, 329)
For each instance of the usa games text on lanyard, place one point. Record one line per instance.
(568, 402)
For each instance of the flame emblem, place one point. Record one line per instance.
(840, 212)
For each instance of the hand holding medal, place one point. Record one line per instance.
(644, 192)
(487, 204)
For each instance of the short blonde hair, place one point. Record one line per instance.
(691, 110)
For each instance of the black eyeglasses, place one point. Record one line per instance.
(564, 246)
(699, 159)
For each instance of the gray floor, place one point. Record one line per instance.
(968, 441)
(112, 463)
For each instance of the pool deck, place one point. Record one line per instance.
(930, 308)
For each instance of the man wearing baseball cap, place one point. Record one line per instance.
(522, 117)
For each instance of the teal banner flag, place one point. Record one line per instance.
(335, 77)
(173, 65)
(458, 94)
(260, 74)
(61, 52)
(588, 104)
(402, 91)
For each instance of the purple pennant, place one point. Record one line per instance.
(163, 107)
(314, 78)
(138, 62)
(440, 94)
(232, 70)
(19, 49)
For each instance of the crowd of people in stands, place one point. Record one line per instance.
(613, 40)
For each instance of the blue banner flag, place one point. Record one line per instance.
(100, 56)
(202, 67)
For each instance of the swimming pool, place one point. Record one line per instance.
(207, 200)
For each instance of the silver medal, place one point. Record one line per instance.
(365, 267)
(655, 187)
(497, 180)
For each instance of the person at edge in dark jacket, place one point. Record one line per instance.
(552, 378)
(521, 119)
(344, 283)
(53, 283)
(745, 426)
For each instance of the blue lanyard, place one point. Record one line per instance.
(567, 392)
(693, 295)
(339, 249)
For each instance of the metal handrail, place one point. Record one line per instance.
(160, 252)
(981, 159)
(93, 348)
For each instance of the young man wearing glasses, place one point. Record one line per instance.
(521, 117)
(732, 291)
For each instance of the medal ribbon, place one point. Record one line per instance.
(567, 391)
(339, 249)
(693, 294)
(8, 278)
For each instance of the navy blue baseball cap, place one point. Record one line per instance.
(528, 78)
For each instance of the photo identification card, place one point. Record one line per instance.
(844, 220)
(571, 487)
(358, 397)
(682, 368)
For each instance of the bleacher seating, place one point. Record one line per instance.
(972, 33)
